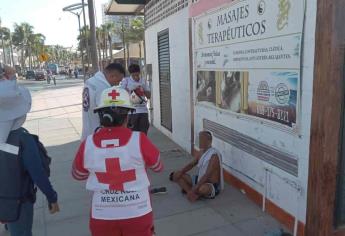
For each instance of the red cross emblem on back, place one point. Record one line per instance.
(114, 176)
(114, 94)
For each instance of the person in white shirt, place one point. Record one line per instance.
(140, 92)
(111, 76)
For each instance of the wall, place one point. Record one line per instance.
(281, 186)
(179, 67)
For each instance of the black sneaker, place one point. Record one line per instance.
(161, 190)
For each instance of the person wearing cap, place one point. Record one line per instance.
(139, 92)
(111, 76)
(18, 179)
(113, 161)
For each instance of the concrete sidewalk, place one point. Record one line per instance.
(56, 117)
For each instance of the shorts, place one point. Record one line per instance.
(214, 186)
(142, 226)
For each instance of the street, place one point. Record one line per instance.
(56, 117)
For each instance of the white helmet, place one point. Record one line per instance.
(114, 97)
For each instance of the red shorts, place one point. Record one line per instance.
(142, 226)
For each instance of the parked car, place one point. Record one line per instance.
(30, 74)
(41, 75)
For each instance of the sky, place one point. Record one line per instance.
(47, 17)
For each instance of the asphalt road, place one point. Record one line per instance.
(61, 82)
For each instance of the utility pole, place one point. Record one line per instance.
(93, 51)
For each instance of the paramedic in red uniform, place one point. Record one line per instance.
(114, 162)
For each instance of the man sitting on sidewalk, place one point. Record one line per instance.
(209, 181)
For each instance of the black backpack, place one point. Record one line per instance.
(46, 159)
(16, 186)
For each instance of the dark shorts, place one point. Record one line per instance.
(139, 122)
(215, 187)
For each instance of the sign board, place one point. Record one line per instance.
(248, 59)
(142, 2)
(43, 57)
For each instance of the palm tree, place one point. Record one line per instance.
(105, 40)
(84, 39)
(136, 32)
(36, 47)
(21, 38)
(122, 32)
(5, 39)
(110, 28)
(99, 43)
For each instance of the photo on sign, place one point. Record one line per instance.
(206, 86)
(274, 97)
(230, 90)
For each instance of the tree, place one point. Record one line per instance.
(122, 32)
(21, 38)
(104, 35)
(131, 33)
(36, 42)
(99, 41)
(136, 32)
(110, 28)
(84, 40)
(5, 39)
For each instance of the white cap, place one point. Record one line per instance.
(15, 100)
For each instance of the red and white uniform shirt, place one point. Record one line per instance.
(114, 162)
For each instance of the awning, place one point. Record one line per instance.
(120, 7)
(134, 51)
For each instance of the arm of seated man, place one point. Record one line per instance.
(212, 169)
(184, 170)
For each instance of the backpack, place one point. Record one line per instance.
(46, 159)
(20, 188)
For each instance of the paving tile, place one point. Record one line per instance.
(188, 223)
(259, 226)
(228, 230)
(172, 203)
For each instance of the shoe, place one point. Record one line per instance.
(161, 190)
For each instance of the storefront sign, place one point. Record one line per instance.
(248, 58)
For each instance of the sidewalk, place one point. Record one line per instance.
(56, 117)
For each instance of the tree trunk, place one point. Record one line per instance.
(106, 47)
(11, 47)
(3, 49)
(128, 56)
(140, 56)
(99, 54)
(103, 51)
(93, 51)
(110, 48)
(30, 62)
(22, 59)
(124, 46)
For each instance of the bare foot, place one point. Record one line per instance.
(192, 197)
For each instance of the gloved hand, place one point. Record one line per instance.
(140, 91)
